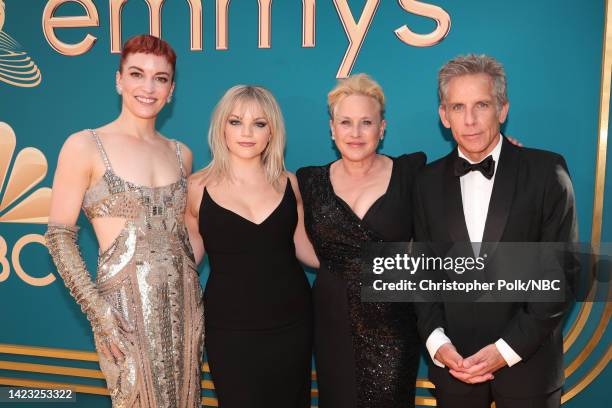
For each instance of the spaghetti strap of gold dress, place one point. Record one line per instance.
(149, 278)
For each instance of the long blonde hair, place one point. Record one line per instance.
(272, 157)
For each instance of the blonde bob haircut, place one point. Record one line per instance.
(272, 157)
(358, 84)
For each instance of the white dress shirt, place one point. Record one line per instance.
(476, 192)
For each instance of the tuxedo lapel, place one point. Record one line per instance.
(455, 217)
(502, 194)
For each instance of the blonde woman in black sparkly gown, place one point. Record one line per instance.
(366, 353)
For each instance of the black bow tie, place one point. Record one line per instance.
(486, 167)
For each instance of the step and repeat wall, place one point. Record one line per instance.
(58, 60)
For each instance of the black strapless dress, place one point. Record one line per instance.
(258, 308)
(366, 354)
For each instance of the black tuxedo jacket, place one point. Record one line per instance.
(532, 201)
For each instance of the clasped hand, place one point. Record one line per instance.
(477, 368)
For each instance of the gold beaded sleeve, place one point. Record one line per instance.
(62, 244)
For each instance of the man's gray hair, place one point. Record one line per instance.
(472, 64)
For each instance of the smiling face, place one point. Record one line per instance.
(357, 126)
(146, 83)
(247, 130)
(471, 112)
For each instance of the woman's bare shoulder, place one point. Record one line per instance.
(196, 183)
(294, 184)
(79, 146)
(185, 150)
(198, 178)
(292, 178)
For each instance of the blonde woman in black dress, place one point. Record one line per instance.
(245, 209)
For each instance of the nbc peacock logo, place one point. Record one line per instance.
(29, 168)
(16, 67)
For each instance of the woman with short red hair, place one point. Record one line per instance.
(145, 306)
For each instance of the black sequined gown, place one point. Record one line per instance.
(366, 354)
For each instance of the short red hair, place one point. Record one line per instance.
(148, 44)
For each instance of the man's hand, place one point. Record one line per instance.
(480, 366)
(447, 355)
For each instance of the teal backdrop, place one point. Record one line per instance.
(551, 49)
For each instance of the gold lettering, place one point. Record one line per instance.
(6, 268)
(355, 32)
(155, 22)
(195, 10)
(116, 7)
(23, 241)
(443, 24)
(221, 15)
(309, 8)
(50, 23)
(265, 10)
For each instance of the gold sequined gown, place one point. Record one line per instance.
(149, 276)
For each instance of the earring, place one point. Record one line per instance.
(119, 90)
(333, 138)
(169, 100)
(381, 138)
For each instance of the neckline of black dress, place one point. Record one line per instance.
(345, 204)
(278, 206)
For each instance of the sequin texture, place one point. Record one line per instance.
(380, 369)
(148, 274)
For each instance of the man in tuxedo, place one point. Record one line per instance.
(489, 190)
